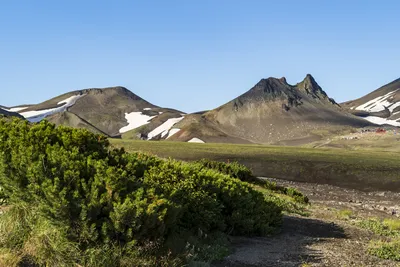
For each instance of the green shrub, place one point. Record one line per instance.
(392, 224)
(110, 206)
(344, 214)
(233, 169)
(236, 170)
(378, 227)
(289, 191)
(3, 197)
(385, 250)
(213, 200)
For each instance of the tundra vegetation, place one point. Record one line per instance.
(73, 200)
(388, 231)
(358, 169)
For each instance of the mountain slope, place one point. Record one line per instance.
(70, 119)
(274, 111)
(112, 111)
(381, 106)
(5, 112)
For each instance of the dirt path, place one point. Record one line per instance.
(321, 239)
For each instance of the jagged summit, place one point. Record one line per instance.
(309, 85)
(312, 88)
(274, 89)
(274, 111)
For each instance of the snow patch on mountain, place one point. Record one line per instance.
(15, 109)
(393, 106)
(381, 121)
(380, 103)
(70, 100)
(164, 128)
(172, 132)
(36, 116)
(195, 140)
(135, 120)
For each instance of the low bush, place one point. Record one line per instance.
(345, 214)
(233, 169)
(389, 247)
(378, 227)
(392, 224)
(3, 197)
(237, 170)
(289, 191)
(76, 200)
(389, 250)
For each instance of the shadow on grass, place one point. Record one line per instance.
(288, 248)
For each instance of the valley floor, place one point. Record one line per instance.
(330, 236)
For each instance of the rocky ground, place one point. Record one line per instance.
(322, 239)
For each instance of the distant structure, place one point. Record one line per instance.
(380, 130)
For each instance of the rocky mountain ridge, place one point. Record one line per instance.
(271, 112)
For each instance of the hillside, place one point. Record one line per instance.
(112, 111)
(272, 111)
(381, 106)
(8, 113)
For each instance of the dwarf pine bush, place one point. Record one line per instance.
(237, 170)
(233, 169)
(88, 196)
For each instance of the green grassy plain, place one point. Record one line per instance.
(388, 142)
(359, 169)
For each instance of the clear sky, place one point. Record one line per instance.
(195, 55)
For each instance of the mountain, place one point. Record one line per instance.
(273, 111)
(113, 111)
(8, 112)
(381, 106)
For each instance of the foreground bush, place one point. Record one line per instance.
(233, 169)
(236, 170)
(73, 199)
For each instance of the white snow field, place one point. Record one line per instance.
(195, 140)
(15, 109)
(381, 121)
(135, 120)
(379, 103)
(36, 116)
(172, 132)
(164, 128)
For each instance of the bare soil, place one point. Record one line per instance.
(323, 238)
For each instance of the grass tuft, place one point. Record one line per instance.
(390, 229)
(389, 250)
(392, 224)
(378, 227)
(345, 214)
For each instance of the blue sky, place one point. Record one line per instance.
(195, 55)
